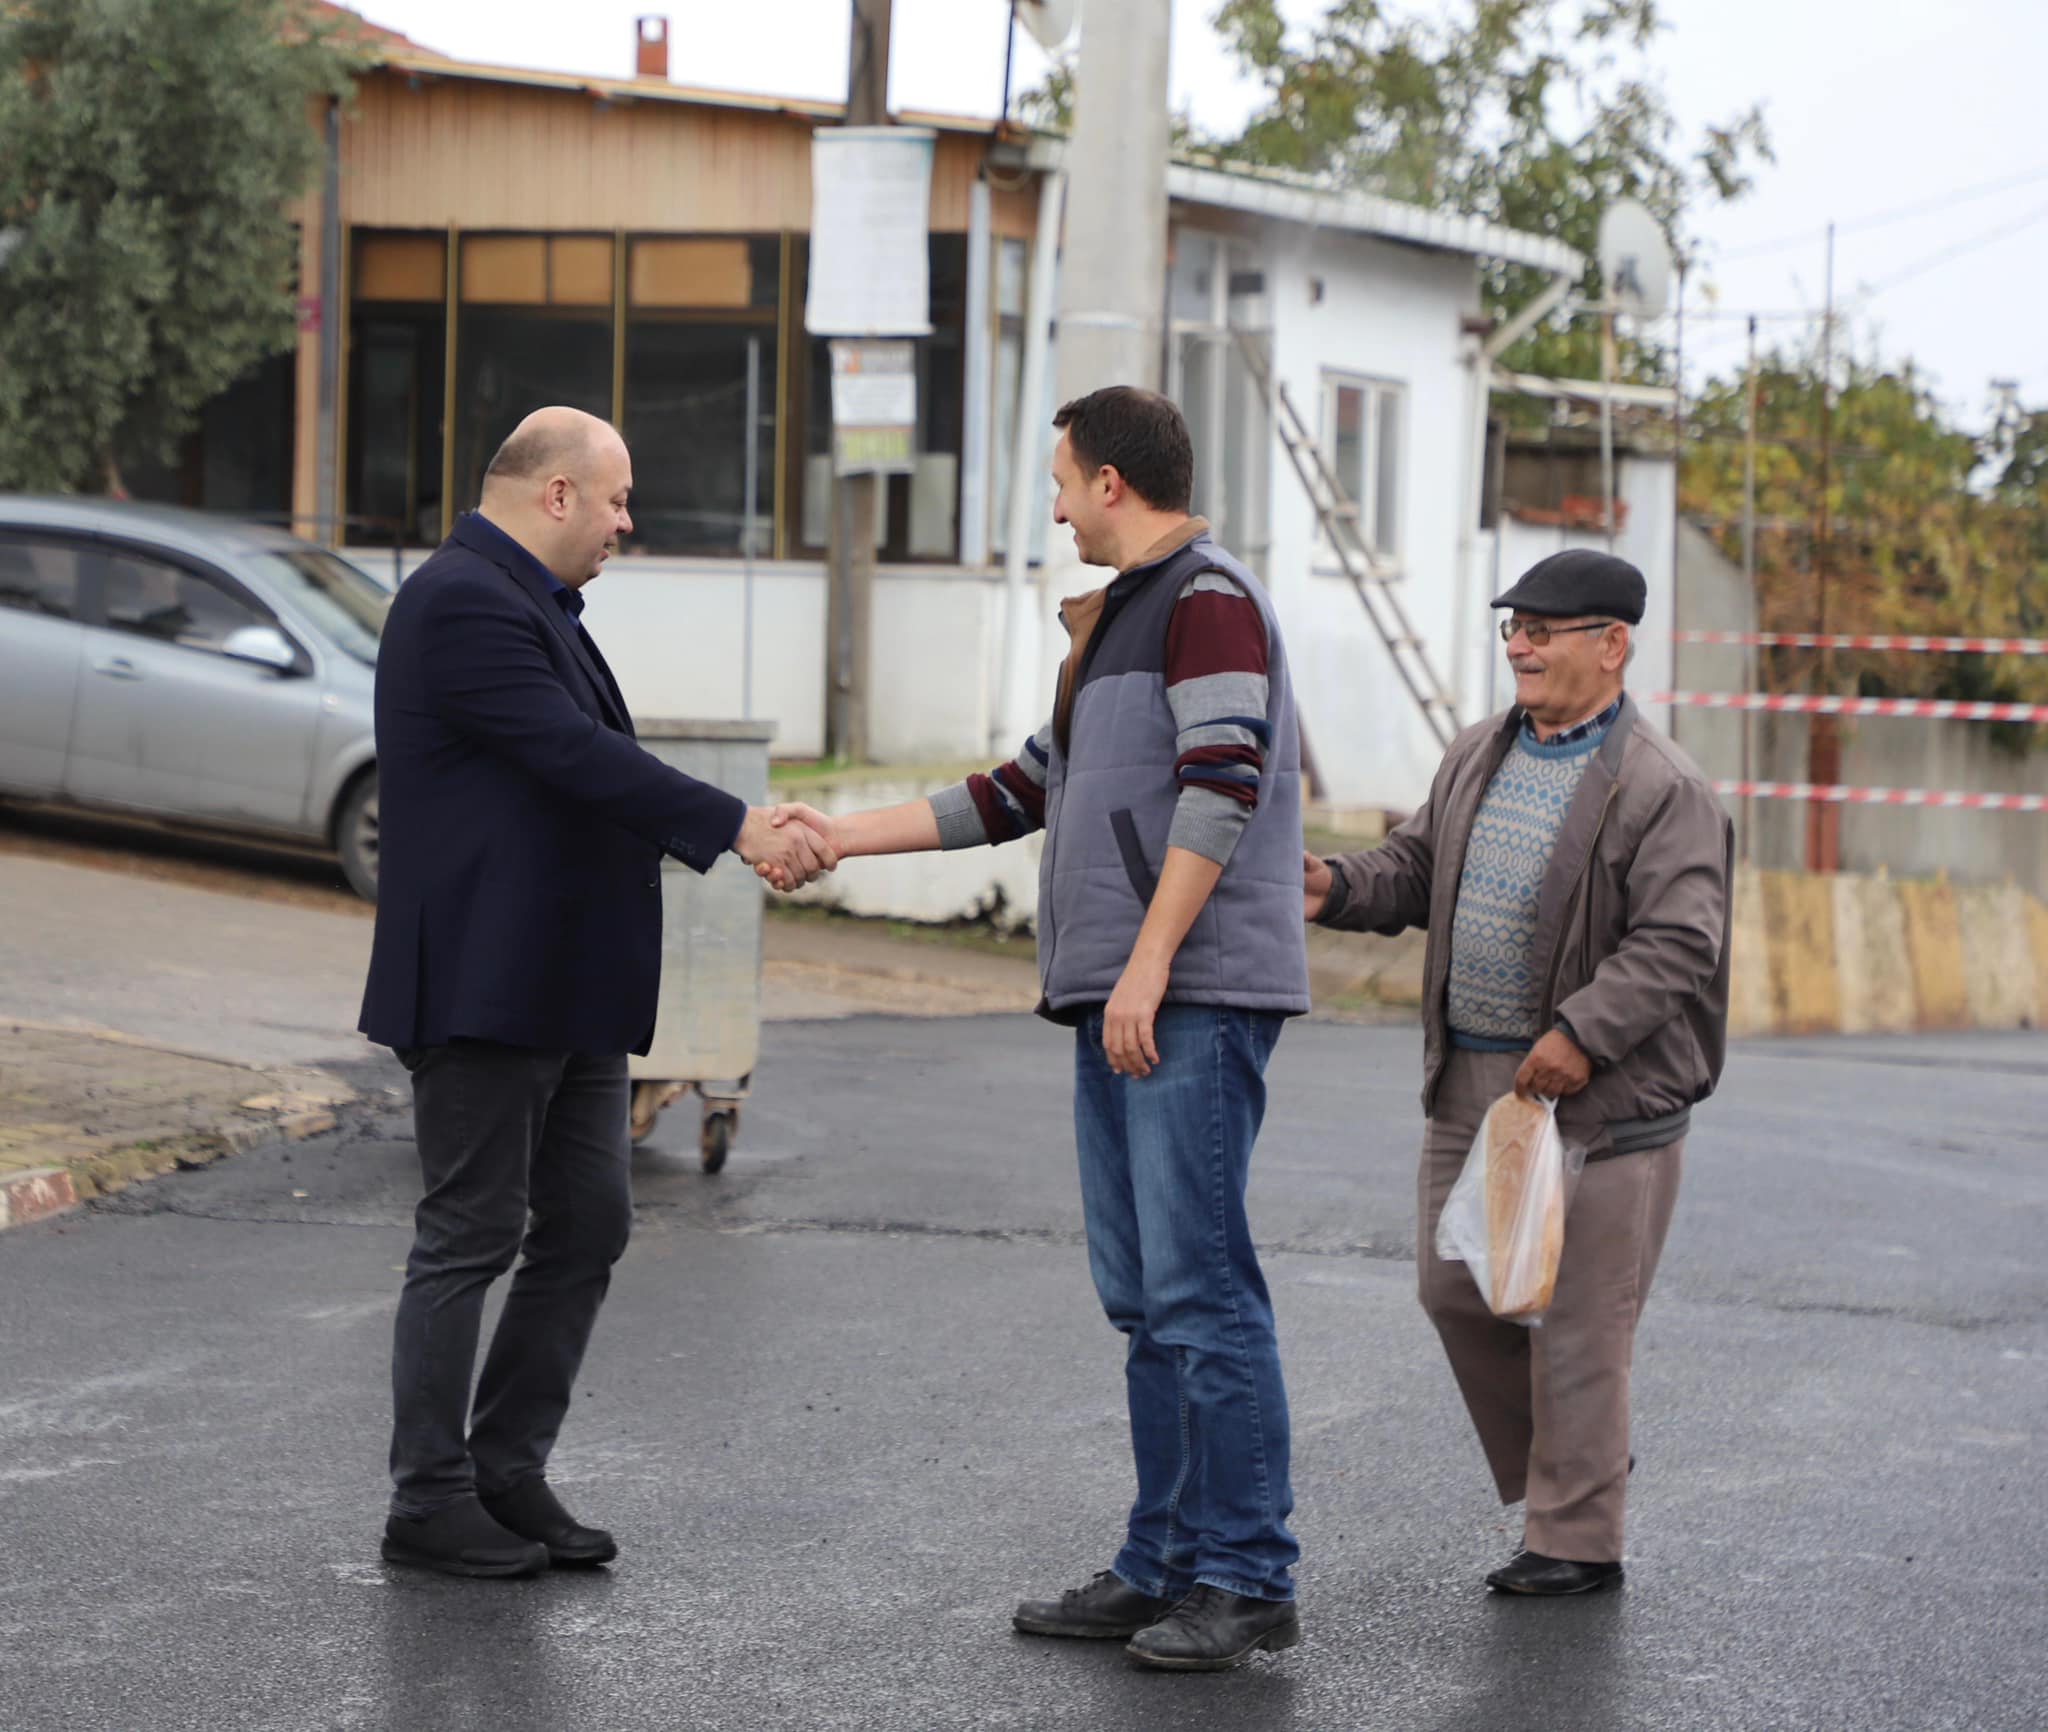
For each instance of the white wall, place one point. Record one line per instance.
(673, 634)
(960, 884)
(673, 631)
(1386, 312)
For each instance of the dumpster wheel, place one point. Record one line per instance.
(714, 1142)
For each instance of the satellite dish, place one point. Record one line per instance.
(1635, 260)
(1051, 21)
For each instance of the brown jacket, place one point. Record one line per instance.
(1632, 922)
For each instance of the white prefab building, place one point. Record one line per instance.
(1369, 311)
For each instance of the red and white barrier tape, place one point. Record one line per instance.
(1975, 646)
(1929, 709)
(1886, 796)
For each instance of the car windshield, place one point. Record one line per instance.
(348, 607)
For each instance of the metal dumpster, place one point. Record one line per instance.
(707, 1032)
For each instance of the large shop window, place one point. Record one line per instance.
(694, 305)
(533, 327)
(398, 360)
(920, 515)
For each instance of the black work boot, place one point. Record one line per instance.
(1212, 1630)
(1107, 1606)
(461, 1540)
(533, 1512)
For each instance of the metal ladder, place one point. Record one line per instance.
(1338, 514)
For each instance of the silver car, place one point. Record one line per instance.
(172, 666)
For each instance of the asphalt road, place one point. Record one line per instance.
(853, 1398)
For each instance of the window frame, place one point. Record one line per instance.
(92, 579)
(28, 535)
(768, 322)
(1212, 332)
(809, 378)
(435, 400)
(1376, 390)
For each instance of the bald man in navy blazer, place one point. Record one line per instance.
(516, 963)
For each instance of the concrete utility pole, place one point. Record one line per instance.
(1112, 289)
(1113, 271)
(856, 499)
(1112, 285)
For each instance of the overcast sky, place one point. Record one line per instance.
(1923, 113)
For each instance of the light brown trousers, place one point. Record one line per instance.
(1550, 1404)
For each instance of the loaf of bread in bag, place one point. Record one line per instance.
(1514, 1133)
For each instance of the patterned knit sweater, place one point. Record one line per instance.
(1496, 984)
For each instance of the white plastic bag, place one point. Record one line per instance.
(1504, 1218)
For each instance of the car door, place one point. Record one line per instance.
(41, 643)
(169, 724)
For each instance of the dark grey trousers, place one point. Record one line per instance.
(521, 1151)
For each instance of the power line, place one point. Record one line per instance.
(1901, 213)
(1954, 252)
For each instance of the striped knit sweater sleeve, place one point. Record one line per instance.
(1216, 686)
(1001, 806)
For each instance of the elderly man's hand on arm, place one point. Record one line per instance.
(787, 855)
(1316, 879)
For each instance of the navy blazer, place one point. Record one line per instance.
(521, 828)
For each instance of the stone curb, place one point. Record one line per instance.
(301, 1103)
(35, 1195)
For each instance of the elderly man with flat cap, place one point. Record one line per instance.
(1573, 870)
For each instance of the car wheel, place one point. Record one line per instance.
(355, 837)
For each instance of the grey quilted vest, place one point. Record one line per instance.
(1109, 800)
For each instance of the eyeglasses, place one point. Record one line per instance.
(1540, 631)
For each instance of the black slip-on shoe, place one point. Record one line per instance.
(1533, 1573)
(533, 1512)
(1211, 1631)
(1107, 1607)
(461, 1540)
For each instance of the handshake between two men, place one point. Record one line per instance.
(788, 846)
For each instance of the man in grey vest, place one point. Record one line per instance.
(1170, 941)
(1573, 868)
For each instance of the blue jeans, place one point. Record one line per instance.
(1164, 1160)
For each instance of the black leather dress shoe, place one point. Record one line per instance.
(461, 1540)
(1211, 1631)
(1533, 1573)
(533, 1512)
(1107, 1606)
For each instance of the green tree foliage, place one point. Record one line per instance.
(1911, 544)
(1537, 114)
(150, 151)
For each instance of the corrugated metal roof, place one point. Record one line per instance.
(1294, 198)
(1289, 199)
(423, 64)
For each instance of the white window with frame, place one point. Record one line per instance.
(1362, 439)
(1216, 294)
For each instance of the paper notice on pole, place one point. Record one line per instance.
(874, 408)
(871, 195)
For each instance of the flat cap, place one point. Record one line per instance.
(1580, 580)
